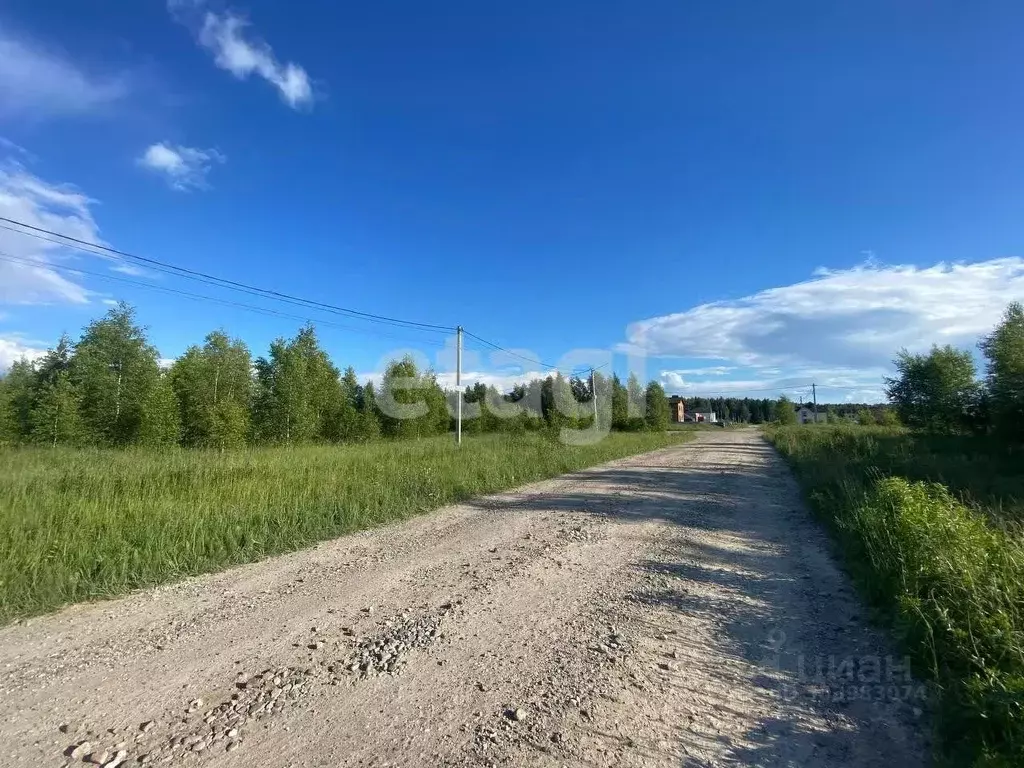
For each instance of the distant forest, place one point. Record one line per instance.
(748, 410)
(109, 390)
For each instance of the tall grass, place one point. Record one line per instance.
(984, 473)
(79, 525)
(948, 577)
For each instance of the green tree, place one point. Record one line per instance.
(369, 415)
(1004, 352)
(785, 411)
(887, 417)
(743, 414)
(343, 421)
(936, 392)
(8, 419)
(160, 425)
(565, 409)
(297, 391)
(620, 405)
(636, 403)
(866, 418)
(657, 411)
(55, 362)
(55, 416)
(20, 394)
(214, 387)
(114, 369)
(411, 404)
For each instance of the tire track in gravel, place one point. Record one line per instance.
(676, 608)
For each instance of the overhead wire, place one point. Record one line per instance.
(4, 256)
(47, 235)
(577, 370)
(104, 251)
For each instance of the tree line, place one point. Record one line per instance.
(109, 390)
(940, 392)
(749, 410)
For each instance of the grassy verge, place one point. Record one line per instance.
(986, 474)
(79, 525)
(947, 576)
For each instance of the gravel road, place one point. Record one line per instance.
(675, 608)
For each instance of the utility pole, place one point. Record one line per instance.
(814, 392)
(458, 385)
(593, 393)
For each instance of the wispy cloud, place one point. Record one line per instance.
(678, 375)
(36, 82)
(237, 49)
(841, 326)
(129, 269)
(184, 168)
(29, 265)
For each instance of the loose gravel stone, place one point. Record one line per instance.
(387, 653)
(117, 759)
(80, 750)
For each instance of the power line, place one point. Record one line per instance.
(491, 344)
(576, 371)
(84, 245)
(226, 302)
(96, 249)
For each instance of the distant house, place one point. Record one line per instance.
(678, 414)
(677, 411)
(805, 415)
(707, 417)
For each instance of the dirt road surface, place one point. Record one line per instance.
(678, 608)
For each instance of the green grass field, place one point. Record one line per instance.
(86, 524)
(929, 528)
(985, 474)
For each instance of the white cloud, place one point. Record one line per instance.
(184, 168)
(39, 83)
(503, 382)
(841, 328)
(13, 348)
(129, 269)
(241, 52)
(27, 263)
(862, 386)
(679, 377)
(16, 149)
(853, 318)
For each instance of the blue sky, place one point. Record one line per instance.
(749, 196)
